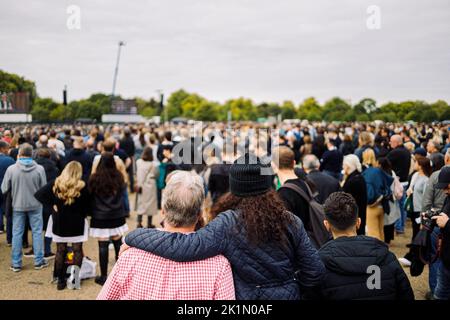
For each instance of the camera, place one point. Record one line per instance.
(427, 222)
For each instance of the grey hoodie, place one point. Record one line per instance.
(24, 181)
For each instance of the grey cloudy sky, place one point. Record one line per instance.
(263, 49)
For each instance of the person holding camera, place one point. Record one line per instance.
(434, 198)
(442, 291)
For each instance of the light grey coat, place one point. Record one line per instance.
(147, 173)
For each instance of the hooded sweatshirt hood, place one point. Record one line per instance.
(24, 179)
(26, 164)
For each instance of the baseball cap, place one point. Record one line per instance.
(421, 151)
(444, 178)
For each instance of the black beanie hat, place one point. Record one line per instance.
(250, 176)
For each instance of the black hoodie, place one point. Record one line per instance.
(347, 259)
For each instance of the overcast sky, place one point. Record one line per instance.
(270, 50)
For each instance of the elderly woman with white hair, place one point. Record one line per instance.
(355, 184)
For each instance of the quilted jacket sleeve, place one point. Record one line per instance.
(205, 243)
(404, 290)
(310, 266)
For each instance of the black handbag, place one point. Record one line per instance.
(409, 206)
(8, 204)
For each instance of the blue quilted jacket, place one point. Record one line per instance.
(260, 272)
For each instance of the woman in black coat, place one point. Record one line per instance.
(68, 198)
(355, 184)
(107, 188)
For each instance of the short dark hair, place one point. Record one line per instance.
(168, 135)
(4, 145)
(341, 210)
(167, 147)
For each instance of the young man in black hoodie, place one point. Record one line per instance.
(358, 267)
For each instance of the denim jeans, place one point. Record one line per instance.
(126, 201)
(442, 291)
(36, 221)
(400, 223)
(2, 225)
(434, 267)
(9, 229)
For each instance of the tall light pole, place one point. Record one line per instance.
(116, 71)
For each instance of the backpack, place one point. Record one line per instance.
(397, 187)
(318, 234)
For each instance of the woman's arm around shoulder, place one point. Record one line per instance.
(207, 242)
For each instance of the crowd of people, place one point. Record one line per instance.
(250, 211)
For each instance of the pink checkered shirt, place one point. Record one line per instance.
(140, 275)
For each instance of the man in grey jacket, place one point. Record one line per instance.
(434, 198)
(23, 179)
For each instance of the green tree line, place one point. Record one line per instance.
(193, 106)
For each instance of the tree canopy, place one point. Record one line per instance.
(193, 106)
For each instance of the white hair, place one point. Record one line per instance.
(182, 198)
(352, 162)
(311, 162)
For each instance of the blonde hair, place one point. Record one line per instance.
(368, 158)
(365, 138)
(68, 185)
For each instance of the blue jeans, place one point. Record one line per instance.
(9, 229)
(126, 202)
(442, 291)
(36, 221)
(400, 223)
(434, 267)
(2, 225)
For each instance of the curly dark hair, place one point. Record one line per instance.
(264, 217)
(107, 180)
(341, 210)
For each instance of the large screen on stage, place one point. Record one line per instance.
(124, 107)
(16, 102)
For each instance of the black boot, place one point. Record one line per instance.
(117, 243)
(103, 257)
(100, 280)
(61, 283)
(149, 222)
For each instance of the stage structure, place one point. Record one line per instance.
(123, 111)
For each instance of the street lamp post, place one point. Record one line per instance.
(116, 71)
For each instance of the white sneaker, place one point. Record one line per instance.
(404, 262)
